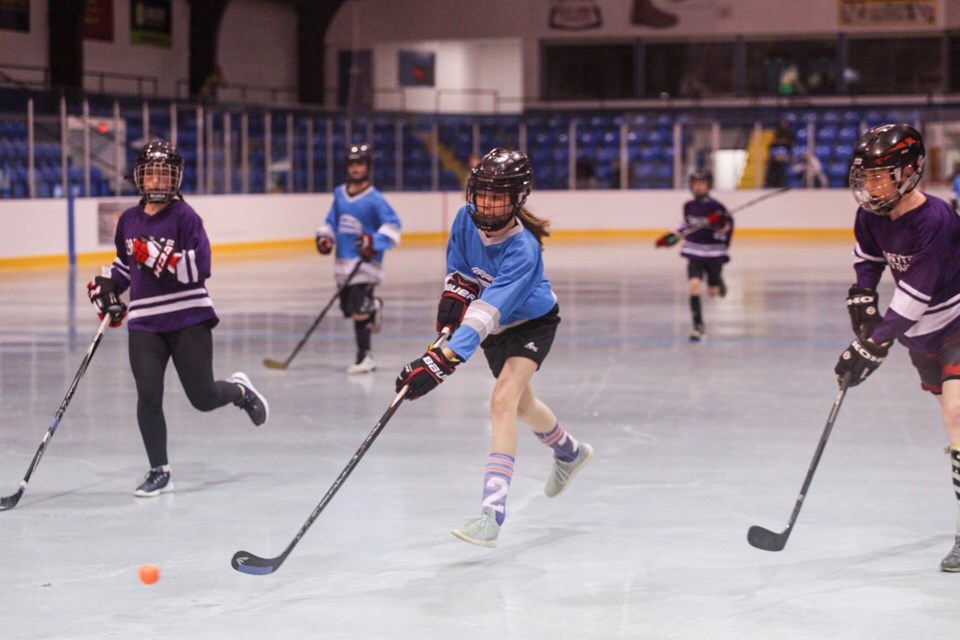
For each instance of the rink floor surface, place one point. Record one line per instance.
(694, 444)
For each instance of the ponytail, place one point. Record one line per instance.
(539, 227)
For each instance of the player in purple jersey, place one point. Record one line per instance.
(918, 237)
(706, 230)
(163, 258)
(362, 227)
(497, 298)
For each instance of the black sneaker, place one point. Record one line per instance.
(723, 288)
(252, 402)
(157, 481)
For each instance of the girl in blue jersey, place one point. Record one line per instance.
(163, 258)
(362, 226)
(706, 249)
(918, 236)
(497, 298)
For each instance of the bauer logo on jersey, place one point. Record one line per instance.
(896, 261)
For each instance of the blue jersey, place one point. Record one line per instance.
(353, 215)
(709, 244)
(165, 305)
(922, 249)
(509, 271)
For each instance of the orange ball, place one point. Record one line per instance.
(149, 573)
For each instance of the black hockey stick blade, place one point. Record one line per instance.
(767, 540)
(270, 363)
(246, 562)
(9, 502)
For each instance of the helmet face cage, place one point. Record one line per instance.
(164, 165)
(500, 171)
(879, 176)
(359, 153)
(701, 176)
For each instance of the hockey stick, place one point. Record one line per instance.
(749, 203)
(9, 502)
(276, 364)
(246, 562)
(768, 540)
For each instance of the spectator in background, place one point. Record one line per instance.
(810, 166)
(586, 174)
(778, 156)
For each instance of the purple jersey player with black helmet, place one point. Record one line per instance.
(918, 236)
(163, 258)
(706, 231)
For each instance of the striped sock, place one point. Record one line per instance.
(563, 444)
(955, 463)
(496, 483)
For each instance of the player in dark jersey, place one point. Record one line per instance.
(163, 258)
(706, 230)
(497, 298)
(362, 226)
(918, 236)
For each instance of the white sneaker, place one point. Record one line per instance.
(563, 472)
(367, 365)
(482, 531)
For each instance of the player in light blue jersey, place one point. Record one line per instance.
(918, 236)
(362, 226)
(497, 298)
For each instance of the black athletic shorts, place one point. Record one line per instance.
(357, 298)
(936, 368)
(697, 269)
(531, 340)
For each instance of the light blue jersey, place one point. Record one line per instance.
(509, 271)
(352, 215)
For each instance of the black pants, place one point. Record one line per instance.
(192, 352)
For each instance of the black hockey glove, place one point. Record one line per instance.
(426, 373)
(104, 293)
(457, 295)
(860, 359)
(862, 305)
(365, 248)
(667, 240)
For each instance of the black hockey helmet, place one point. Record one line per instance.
(500, 171)
(162, 160)
(359, 152)
(894, 150)
(702, 174)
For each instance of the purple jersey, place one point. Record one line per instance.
(922, 249)
(709, 244)
(165, 305)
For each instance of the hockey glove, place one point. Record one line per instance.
(862, 304)
(425, 373)
(458, 293)
(668, 240)
(860, 359)
(365, 248)
(324, 244)
(715, 219)
(156, 257)
(104, 293)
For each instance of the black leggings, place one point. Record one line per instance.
(192, 352)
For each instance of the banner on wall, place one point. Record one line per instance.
(575, 15)
(151, 23)
(887, 13)
(417, 68)
(15, 15)
(98, 20)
